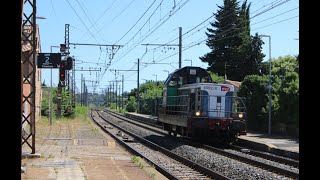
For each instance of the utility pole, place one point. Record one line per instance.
(28, 35)
(122, 90)
(113, 91)
(50, 107)
(138, 98)
(180, 46)
(269, 86)
(119, 96)
(59, 97)
(114, 49)
(81, 90)
(73, 83)
(116, 94)
(225, 71)
(123, 82)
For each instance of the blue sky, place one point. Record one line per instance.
(122, 22)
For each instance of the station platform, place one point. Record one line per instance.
(273, 143)
(142, 117)
(281, 145)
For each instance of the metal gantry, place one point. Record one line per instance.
(28, 69)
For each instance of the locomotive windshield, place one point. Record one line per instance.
(188, 75)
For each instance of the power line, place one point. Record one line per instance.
(219, 34)
(122, 10)
(277, 22)
(274, 16)
(92, 25)
(272, 7)
(81, 20)
(100, 17)
(170, 15)
(145, 23)
(136, 21)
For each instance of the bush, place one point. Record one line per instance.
(132, 105)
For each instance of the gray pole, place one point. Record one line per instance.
(122, 90)
(180, 46)
(270, 99)
(119, 97)
(81, 90)
(116, 94)
(138, 99)
(51, 93)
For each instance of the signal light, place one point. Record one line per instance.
(69, 63)
(62, 71)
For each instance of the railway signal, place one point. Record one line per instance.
(62, 71)
(69, 63)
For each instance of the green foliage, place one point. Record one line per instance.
(132, 105)
(66, 103)
(45, 102)
(149, 94)
(120, 110)
(135, 159)
(234, 51)
(253, 88)
(285, 97)
(113, 106)
(81, 111)
(216, 78)
(285, 71)
(150, 91)
(45, 105)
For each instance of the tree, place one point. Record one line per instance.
(234, 52)
(131, 106)
(285, 97)
(219, 39)
(253, 88)
(285, 74)
(215, 78)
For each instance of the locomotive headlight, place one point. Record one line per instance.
(198, 113)
(240, 115)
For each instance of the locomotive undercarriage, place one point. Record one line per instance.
(209, 130)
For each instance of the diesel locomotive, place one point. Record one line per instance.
(194, 106)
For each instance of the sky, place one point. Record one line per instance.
(133, 23)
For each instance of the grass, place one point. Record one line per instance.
(152, 175)
(141, 166)
(135, 159)
(80, 114)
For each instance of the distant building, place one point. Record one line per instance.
(236, 85)
(26, 48)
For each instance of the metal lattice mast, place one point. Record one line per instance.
(29, 30)
(73, 83)
(66, 42)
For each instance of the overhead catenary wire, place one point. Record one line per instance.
(92, 24)
(170, 15)
(104, 12)
(136, 21)
(229, 30)
(81, 20)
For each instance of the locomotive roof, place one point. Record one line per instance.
(189, 73)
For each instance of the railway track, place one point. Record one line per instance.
(246, 150)
(271, 163)
(170, 164)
